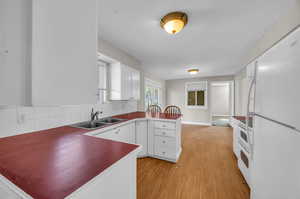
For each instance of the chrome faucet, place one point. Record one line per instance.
(94, 115)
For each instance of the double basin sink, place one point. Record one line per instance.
(97, 123)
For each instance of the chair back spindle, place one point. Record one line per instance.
(154, 109)
(172, 110)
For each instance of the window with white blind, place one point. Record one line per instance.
(196, 94)
(153, 93)
(102, 84)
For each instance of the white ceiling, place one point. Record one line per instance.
(218, 36)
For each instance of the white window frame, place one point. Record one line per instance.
(205, 96)
(105, 97)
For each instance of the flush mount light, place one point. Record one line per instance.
(174, 22)
(193, 71)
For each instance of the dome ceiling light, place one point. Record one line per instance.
(193, 71)
(174, 22)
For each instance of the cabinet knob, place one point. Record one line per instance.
(164, 153)
(164, 142)
(164, 133)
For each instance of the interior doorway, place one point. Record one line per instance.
(222, 102)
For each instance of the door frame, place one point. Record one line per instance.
(232, 83)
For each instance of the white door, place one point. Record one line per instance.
(221, 100)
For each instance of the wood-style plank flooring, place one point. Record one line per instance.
(207, 169)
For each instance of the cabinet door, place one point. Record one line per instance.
(115, 81)
(127, 133)
(142, 136)
(135, 78)
(109, 135)
(126, 80)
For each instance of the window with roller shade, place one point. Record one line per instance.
(196, 94)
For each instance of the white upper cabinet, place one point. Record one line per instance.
(64, 58)
(119, 82)
(124, 82)
(135, 84)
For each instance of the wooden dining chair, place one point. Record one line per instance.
(154, 109)
(172, 110)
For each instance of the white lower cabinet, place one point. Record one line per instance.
(142, 136)
(164, 152)
(125, 133)
(158, 138)
(165, 139)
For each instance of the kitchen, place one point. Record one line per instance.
(110, 99)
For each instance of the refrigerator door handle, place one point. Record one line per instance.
(248, 101)
(277, 122)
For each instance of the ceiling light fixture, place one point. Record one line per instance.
(193, 71)
(174, 22)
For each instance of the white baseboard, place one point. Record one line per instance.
(197, 123)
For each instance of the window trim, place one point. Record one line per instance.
(154, 84)
(205, 107)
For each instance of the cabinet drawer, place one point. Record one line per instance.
(164, 125)
(168, 142)
(164, 152)
(165, 132)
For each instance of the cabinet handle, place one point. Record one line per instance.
(164, 133)
(163, 153)
(163, 125)
(164, 142)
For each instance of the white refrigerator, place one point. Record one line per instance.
(275, 172)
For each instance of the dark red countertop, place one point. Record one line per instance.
(53, 163)
(243, 120)
(240, 118)
(136, 115)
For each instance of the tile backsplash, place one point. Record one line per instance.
(18, 120)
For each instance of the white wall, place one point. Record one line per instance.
(15, 120)
(175, 95)
(15, 36)
(275, 32)
(64, 52)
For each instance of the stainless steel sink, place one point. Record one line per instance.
(110, 120)
(97, 123)
(90, 125)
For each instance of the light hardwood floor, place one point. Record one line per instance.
(207, 169)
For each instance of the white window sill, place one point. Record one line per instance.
(197, 107)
